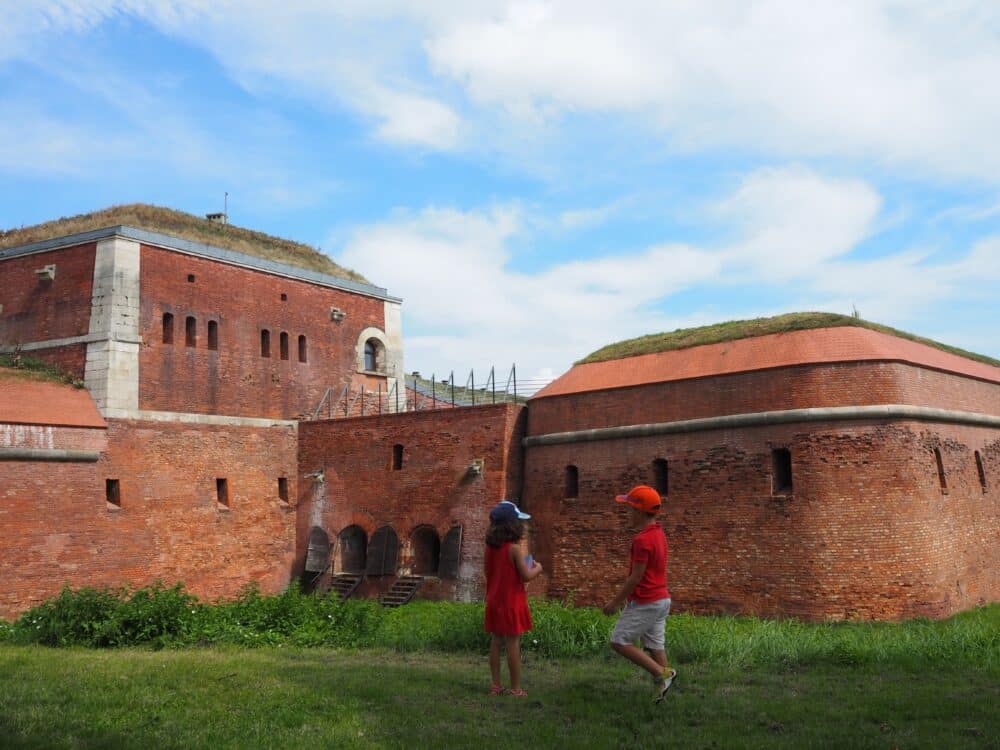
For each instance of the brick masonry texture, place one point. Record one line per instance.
(236, 380)
(843, 384)
(38, 310)
(867, 531)
(432, 488)
(59, 529)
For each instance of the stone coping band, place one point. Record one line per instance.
(765, 418)
(189, 247)
(48, 454)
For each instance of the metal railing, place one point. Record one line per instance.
(415, 393)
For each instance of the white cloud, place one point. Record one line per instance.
(790, 220)
(902, 83)
(464, 306)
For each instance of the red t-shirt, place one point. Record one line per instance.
(650, 547)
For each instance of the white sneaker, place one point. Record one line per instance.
(664, 685)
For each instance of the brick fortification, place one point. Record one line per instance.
(189, 470)
(825, 474)
(867, 528)
(422, 474)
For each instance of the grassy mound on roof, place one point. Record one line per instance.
(685, 338)
(16, 366)
(188, 227)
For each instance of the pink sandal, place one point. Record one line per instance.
(519, 693)
(497, 690)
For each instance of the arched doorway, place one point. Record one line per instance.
(383, 550)
(353, 550)
(426, 546)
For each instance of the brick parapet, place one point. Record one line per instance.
(800, 387)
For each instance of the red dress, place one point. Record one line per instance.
(506, 601)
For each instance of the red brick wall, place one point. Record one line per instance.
(236, 379)
(432, 488)
(38, 310)
(866, 532)
(850, 384)
(59, 529)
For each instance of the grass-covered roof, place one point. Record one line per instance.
(732, 330)
(185, 226)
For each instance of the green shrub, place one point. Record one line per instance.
(158, 616)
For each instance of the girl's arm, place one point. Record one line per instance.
(517, 557)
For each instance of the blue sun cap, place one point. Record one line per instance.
(505, 510)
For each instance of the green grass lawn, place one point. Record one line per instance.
(320, 698)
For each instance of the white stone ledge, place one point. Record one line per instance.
(191, 418)
(767, 418)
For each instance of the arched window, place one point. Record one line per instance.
(426, 547)
(572, 484)
(190, 331)
(660, 476)
(168, 328)
(265, 343)
(283, 344)
(383, 548)
(318, 554)
(213, 334)
(370, 352)
(451, 553)
(302, 348)
(353, 550)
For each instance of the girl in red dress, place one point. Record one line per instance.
(507, 614)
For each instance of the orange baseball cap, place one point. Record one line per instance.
(641, 498)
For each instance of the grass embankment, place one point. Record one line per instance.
(732, 330)
(186, 226)
(15, 365)
(743, 682)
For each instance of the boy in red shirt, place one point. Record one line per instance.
(645, 589)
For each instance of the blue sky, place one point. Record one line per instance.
(538, 179)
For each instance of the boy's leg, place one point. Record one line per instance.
(640, 658)
(495, 658)
(513, 643)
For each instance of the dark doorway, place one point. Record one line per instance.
(426, 546)
(353, 546)
(383, 550)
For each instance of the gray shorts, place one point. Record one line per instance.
(645, 621)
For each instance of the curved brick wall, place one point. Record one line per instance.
(798, 387)
(866, 533)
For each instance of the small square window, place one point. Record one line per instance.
(190, 278)
(284, 297)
